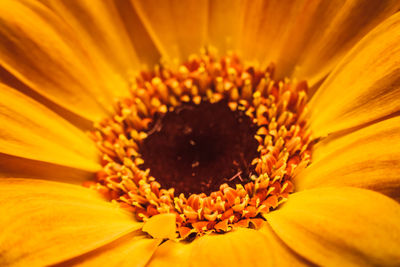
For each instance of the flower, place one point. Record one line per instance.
(63, 64)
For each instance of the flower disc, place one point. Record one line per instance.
(214, 142)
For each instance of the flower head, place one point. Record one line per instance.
(210, 158)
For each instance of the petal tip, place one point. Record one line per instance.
(161, 226)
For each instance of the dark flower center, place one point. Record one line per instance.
(196, 148)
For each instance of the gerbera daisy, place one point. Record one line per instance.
(122, 144)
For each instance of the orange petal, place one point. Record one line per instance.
(178, 28)
(341, 226)
(32, 131)
(130, 250)
(368, 158)
(47, 222)
(39, 49)
(365, 86)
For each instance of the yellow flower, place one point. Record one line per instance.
(64, 64)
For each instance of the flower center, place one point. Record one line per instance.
(214, 142)
(196, 148)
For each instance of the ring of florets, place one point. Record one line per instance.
(277, 108)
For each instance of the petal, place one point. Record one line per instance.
(335, 27)
(368, 158)
(32, 131)
(99, 27)
(178, 28)
(230, 249)
(11, 166)
(242, 247)
(130, 250)
(225, 21)
(161, 226)
(47, 222)
(40, 50)
(171, 253)
(365, 86)
(265, 25)
(306, 36)
(140, 38)
(340, 227)
(11, 81)
(279, 254)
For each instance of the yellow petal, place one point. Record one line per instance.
(144, 46)
(242, 247)
(265, 25)
(11, 166)
(171, 253)
(365, 85)
(32, 131)
(178, 28)
(310, 35)
(368, 158)
(39, 49)
(11, 81)
(130, 250)
(161, 226)
(278, 253)
(99, 27)
(225, 21)
(47, 222)
(335, 28)
(340, 227)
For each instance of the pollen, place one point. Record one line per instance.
(215, 142)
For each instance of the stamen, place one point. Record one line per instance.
(253, 179)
